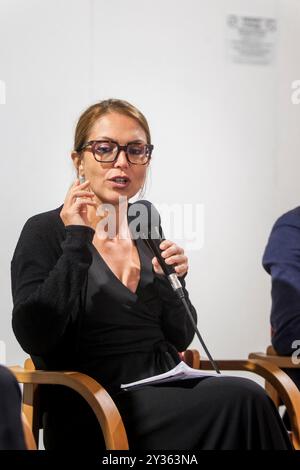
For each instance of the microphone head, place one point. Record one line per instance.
(144, 220)
(147, 226)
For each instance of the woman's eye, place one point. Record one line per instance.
(103, 149)
(137, 150)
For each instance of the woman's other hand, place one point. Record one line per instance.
(173, 255)
(75, 209)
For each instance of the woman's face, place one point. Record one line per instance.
(122, 129)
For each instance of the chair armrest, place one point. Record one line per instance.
(281, 361)
(192, 358)
(94, 394)
(285, 387)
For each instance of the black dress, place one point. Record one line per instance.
(71, 311)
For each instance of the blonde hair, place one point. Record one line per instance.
(94, 112)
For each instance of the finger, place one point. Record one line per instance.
(181, 269)
(176, 259)
(77, 183)
(156, 266)
(82, 201)
(165, 244)
(81, 193)
(74, 187)
(74, 192)
(174, 249)
(81, 185)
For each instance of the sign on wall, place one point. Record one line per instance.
(251, 39)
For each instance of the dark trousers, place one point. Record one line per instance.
(11, 430)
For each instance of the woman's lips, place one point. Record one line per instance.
(119, 185)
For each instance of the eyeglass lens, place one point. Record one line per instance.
(107, 151)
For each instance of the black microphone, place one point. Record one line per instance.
(167, 269)
(150, 231)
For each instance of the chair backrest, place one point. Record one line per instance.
(191, 357)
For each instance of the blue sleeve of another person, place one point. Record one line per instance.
(282, 261)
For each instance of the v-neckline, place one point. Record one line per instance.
(115, 277)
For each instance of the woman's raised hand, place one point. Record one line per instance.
(78, 198)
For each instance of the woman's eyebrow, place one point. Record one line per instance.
(104, 137)
(136, 141)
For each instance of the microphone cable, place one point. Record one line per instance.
(178, 289)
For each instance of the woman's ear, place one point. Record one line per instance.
(77, 161)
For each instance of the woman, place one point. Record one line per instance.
(101, 305)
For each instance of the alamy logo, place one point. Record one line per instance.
(296, 354)
(180, 222)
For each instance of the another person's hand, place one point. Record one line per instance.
(74, 211)
(173, 255)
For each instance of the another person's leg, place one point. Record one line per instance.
(11, 429)
(295, 376)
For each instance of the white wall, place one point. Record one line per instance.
(288, 115)
(234, 125)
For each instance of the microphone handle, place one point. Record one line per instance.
(155, 248)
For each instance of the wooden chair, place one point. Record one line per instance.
(28, 434)
(282, 362)
(94, 394)
(107, 413)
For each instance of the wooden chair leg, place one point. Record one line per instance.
(28, 435)
(31, 407)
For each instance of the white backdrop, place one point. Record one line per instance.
(225, 135)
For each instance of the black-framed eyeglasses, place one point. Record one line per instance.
(107, 151)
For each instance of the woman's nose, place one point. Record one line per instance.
(121, 160)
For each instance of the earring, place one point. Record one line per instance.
(81, 174)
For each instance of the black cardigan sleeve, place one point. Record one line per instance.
(46, 283)
(176, 324)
